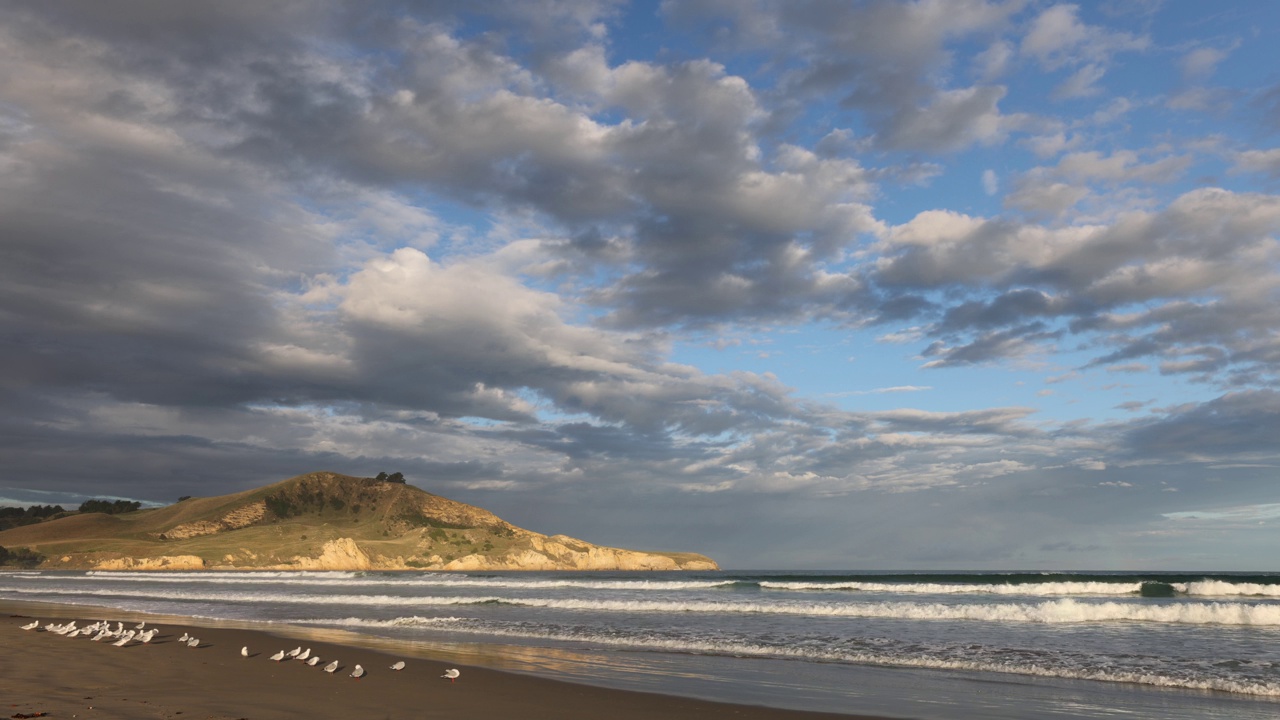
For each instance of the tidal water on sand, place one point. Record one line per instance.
(917, 645)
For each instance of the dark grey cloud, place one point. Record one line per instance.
(1237, 425)
(879, 58)
(1120, 287)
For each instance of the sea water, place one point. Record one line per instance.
(916, 645)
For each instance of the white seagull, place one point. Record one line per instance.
(315, 660)
(331, 666)
(304, 654)
(140, 625)
(294, 652)
(358, 672)
(451, 673)
(185, 637)
(244, 651)
(123, 641)
(193, 642)
(278, 656)
(398, 666)
(31, 625)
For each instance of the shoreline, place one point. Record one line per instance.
(76, 677)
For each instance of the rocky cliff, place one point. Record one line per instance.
(323, 521)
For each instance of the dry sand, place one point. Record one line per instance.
(42, 672)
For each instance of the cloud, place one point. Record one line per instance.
(1239, 425)
(1200, 63)
(1257, 161)
(880, 56)
(1058, 38)
(1024, 277)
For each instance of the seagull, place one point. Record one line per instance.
(140, 625)
(101, 634)
(398, 666)
(277, 657)
(185, 637)
(147, 636)
(193, 642)
(304, 655)
(358, 672)
(123, 641)
(31, 625)
(294, 652)
(451, 673)
(244, 651)
(331, 666)
(315, 660)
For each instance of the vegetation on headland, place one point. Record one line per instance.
(20, 557)
(318, 521)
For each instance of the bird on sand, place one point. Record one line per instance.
(294, 652)
(358, 672)
(278, 656)
(193, 642)
(304, 654)
(185, 637)
(398, 666)
(315, 660)
(331, 666)
(452, 674)
(244, 651)
(31, 625)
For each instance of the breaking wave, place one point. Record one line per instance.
(1063, 611)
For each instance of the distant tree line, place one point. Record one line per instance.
(392, 478)
(109, 507)
(11, 517)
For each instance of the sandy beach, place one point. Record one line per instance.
(77, 678)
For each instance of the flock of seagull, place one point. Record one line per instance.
(103, 630)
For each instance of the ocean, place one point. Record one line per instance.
(932, 646)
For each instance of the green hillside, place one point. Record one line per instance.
(320, 521)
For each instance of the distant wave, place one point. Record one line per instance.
(1217, 588)
(1222, 588)
(1041, 664)
(1053, 588)
(1053, 611)
(442, 580)
(1005, 585)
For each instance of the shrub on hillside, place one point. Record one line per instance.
(20, 557)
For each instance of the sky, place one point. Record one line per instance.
(958, 284)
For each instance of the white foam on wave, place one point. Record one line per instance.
(1043, 666)
(1051, 588)
(1221, 588)
(1063, 611)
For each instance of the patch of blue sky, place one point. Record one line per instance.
(858, 370)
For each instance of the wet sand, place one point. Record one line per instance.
(41, 672)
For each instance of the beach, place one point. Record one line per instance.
(764, 644)
(76, 677)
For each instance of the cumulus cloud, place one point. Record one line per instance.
(245, 240)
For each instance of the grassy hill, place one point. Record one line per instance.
(321, 521)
